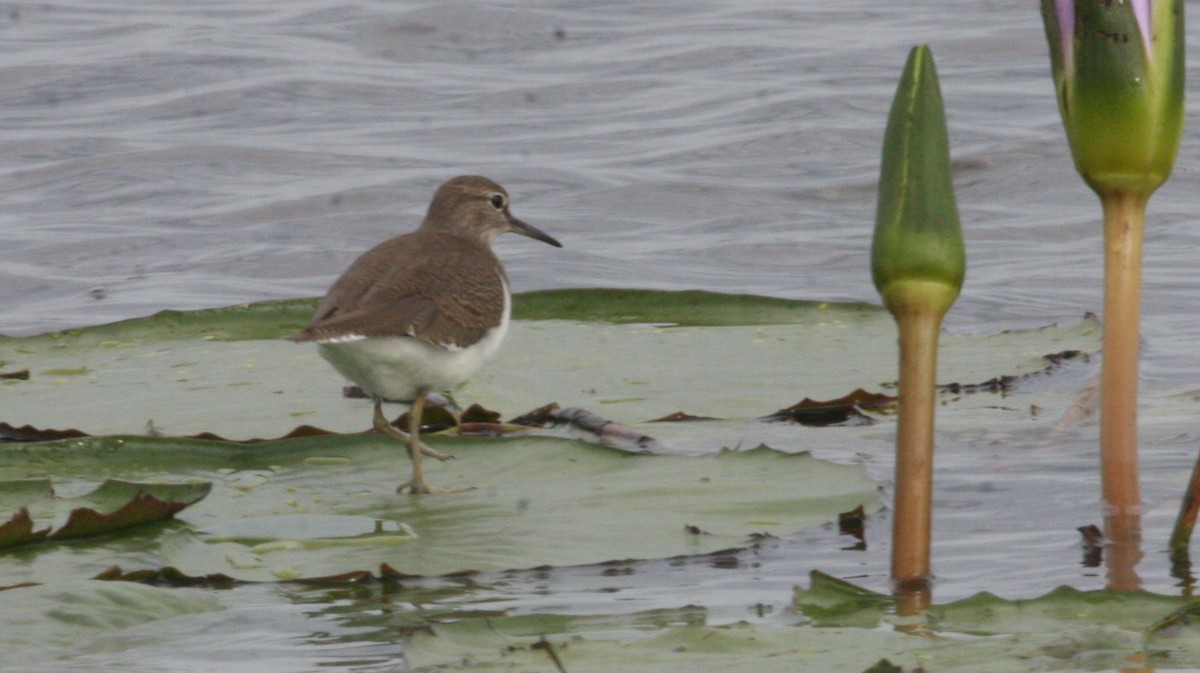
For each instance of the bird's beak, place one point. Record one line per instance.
(518, 227)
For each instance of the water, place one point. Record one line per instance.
(185, 155)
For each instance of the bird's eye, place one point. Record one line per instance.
(498, 201)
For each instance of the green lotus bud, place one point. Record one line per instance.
(918, 246)
(1118, 71)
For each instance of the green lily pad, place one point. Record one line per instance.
(55, 621)
(1065, 630)
(638, 356)
(324, 506)
(112, 506)
(687, 308)
(630, 356)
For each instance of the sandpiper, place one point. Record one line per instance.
(421, 312)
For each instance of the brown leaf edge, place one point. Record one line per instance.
(1008, 382)
(477, 422)
(19, 531)
(846, 409)
(142, 508)
(82, 522)
(28, 433)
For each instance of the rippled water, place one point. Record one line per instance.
(185, 155)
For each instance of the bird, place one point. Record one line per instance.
(421, 312)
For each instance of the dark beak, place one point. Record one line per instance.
(518, 227)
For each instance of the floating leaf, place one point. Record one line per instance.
(168, 366)
(321, 506)
(1061, 631)
(305, 509)
(112, 506)
(689, 308)
(538, 502)
(49, 623)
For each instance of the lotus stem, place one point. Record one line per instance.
(1181, 536)
(1124, 214)
(919, 323)
(918, 262)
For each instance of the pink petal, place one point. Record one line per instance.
(1141, 13)
(1065, 9)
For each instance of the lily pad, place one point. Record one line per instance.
(56, 621)
(325, 505)
(322, 506)
(687, 308)
(112, 506)
(637, 356)
(1065, 630)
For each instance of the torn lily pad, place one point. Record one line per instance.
(40, 516)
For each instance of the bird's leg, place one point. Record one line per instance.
(415, 448)
(381, 424)
(417, 484)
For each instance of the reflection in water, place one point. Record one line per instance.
(1123, 551)
(1181, 535)
(912, 598)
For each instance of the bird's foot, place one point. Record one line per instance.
(416, 487)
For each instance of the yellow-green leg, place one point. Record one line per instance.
(415, 448)
(381, 424)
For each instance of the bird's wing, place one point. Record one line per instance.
(455, 303)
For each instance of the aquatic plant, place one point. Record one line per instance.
(917, 263)
(1118, 72)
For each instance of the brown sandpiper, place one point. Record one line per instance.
(421, 312)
